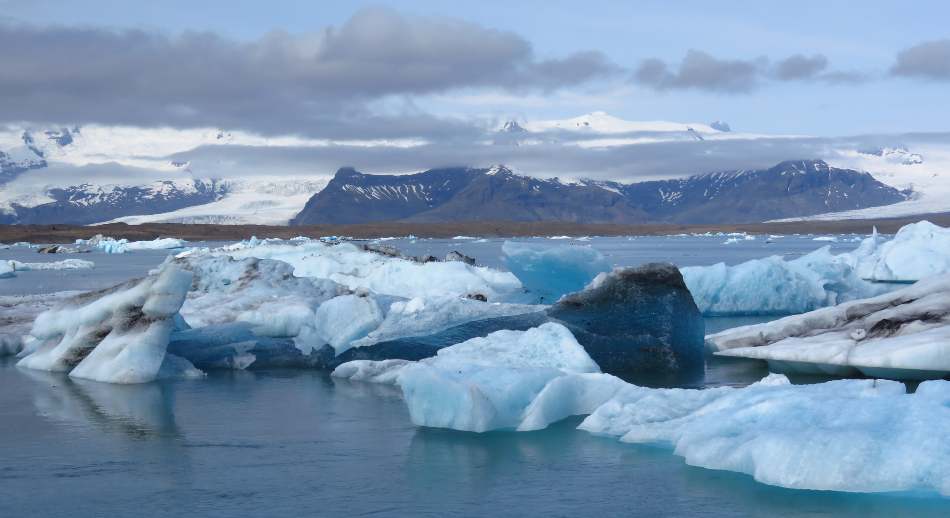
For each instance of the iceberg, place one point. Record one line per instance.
(119, 335)
(904, 334)
(775, 286)
(547, 273)
(505, 380)
(6, 270)
(66, 264)
(379, 272)
(111, 245)
(845, 435)
(636, 320)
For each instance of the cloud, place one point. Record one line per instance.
(701, 71)
(800, 67)
(928, 60)
(319, 84)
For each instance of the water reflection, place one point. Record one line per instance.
(138, 411)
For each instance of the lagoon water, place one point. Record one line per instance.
(291, 443)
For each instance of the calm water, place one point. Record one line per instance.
(291, 443)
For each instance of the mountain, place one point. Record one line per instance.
(790, 189)
(85, 204)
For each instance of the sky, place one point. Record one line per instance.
(424, 68)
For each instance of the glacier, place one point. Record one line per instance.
(547, 273)
(904, 334)
(776, 286)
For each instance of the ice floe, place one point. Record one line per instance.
(111, 245)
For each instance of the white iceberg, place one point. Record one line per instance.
(355, 268)
(117, 336)
(506, 380)
(904, 334)
(846, 435)
(549, 272)
(6, 270)
(775, 286)
(111, 245)
(66, 264)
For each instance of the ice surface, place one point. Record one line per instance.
(505, 380)
(636, 320)
(917, 251)
(119, 335)
(550, 272)
(846, 435)
(350, 266)
(6, 270)
(904, 334)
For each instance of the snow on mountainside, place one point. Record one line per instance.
(456, 194)
(603, 123)
(925, 171)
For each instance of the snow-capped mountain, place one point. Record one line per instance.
(791, 188)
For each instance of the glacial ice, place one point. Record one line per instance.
(775, 286)
(118, 335)
(505, 380)
(639, 319)
(904, 334)
(6, 270)
(111, 245)
(845, 435)
(354, 268)
(550, 272)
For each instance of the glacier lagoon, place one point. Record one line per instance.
(285, 439)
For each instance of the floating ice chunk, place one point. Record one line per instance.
(550, 272)
(904, 334)
(119, 335)
(917, 251)
(847, 435)
(636, 320)
(6, 270)
(355, 268)
(774, 286)
(111, 245)
(66, 264)
(494, 382)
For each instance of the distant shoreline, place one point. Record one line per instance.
(69, 233)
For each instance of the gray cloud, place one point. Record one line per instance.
(928, 60)
(800, 67)
(318, 84)
(701, 71)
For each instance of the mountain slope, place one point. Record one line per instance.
(795, 188)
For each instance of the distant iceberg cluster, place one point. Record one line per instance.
(776, 286)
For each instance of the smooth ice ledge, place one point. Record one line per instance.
(904, 334)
